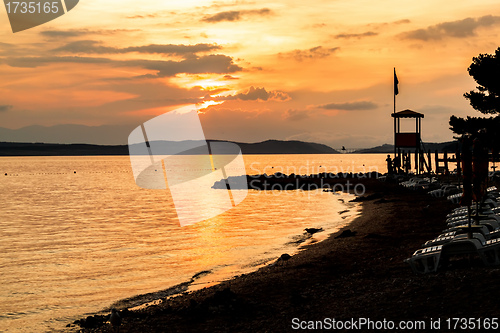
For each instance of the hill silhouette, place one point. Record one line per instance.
(449, 146)
(52, 149)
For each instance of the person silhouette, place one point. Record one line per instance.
(397, 164)
(389, 164)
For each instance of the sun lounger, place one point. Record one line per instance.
(491, 224)
(464, 228)
(490, 253)
(487, 215)
(451, 237)
(480, 229)
(462, 211)
(425, 260)
(429, 259)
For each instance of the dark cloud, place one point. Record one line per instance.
(86, 46)
(236, 15)
(94, 47)
(142, 16)
(361, 35)
(225, 4)
(296, 115)
(218, 64)
(177, 49)
(315, 52)
(458, 29)
(81, 32)
(5, 107)
(214, 63)
(63, 33)
(229, 77)
(362, 105)
(319, 25)
(403, 21)
(385, 25)
(32, 62)
(9, 49)
(253, 94)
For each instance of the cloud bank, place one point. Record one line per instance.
(235, 15)
(312, 53)
(458, 29)
(349, 106)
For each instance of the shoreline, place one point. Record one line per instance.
(203, 279)
(362, 276)
(302, 242)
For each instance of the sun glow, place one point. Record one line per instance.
(205, 82)
(204, 105)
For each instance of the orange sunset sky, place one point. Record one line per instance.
(318, 71)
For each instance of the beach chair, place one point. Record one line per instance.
(476, 229)
(445, 190)
(460, 247)
(486, 215)
(425, 260)
(483, 214)
(464, 228)
(455, 198)
(490, 252)
(453, 236)
(462, 211)
(491, 224)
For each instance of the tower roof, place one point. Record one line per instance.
(407, 114)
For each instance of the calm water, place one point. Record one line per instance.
(75, 243)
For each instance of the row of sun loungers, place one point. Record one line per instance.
(481, 239)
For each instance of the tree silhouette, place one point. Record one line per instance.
(485, 69)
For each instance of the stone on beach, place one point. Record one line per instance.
(115, 319)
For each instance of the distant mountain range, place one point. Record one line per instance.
(107, 134)
(60, 140)
(450, 146)
(50, 149)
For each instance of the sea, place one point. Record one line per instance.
(78, 236)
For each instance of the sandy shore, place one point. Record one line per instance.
(362, 276)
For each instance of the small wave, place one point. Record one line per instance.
(200, 274)
(259, 262)
(299, 239)
(150, 297)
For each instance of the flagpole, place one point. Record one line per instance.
(394, 112)
(394, 91)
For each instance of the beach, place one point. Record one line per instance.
(359, 277)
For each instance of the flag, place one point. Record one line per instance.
(396, 82)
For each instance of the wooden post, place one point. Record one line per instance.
(416, 161)
(430, 160)
(408, 160)
(421, 161)
(446, 162)
(436, 159)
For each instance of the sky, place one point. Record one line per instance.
(319, 71)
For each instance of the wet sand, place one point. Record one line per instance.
(359, 276)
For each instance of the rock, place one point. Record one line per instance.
(346, 233)
(313, 230)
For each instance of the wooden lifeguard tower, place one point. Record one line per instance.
(409, 140)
